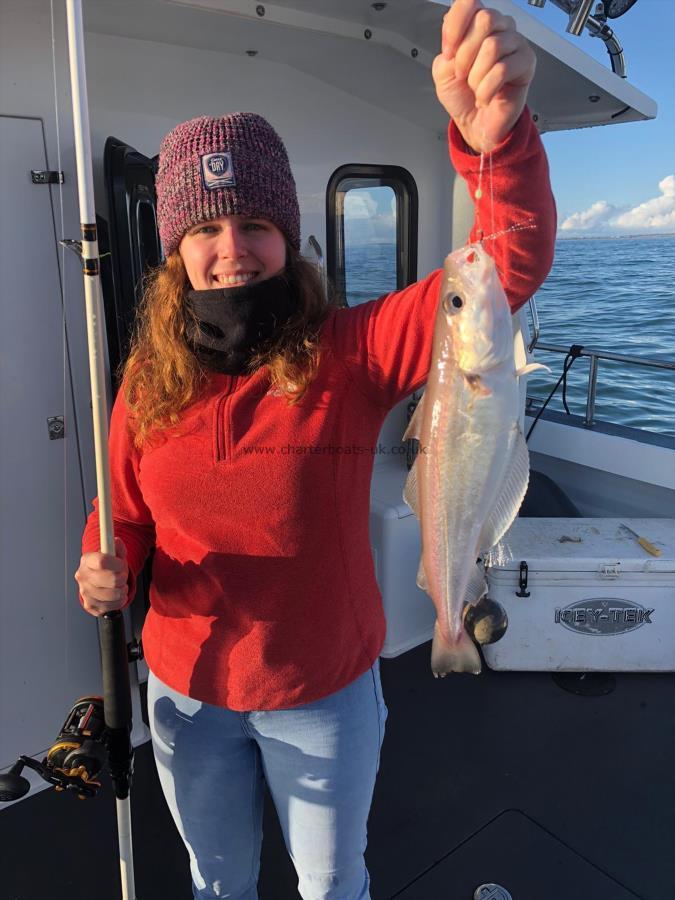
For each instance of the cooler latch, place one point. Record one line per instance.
(522, 580)
(610, 570)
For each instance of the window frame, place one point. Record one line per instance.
(405, 190)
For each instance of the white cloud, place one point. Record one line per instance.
(370, 217)
(359, 205)
(657, 214)
(596, 215)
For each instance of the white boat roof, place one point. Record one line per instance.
(326, 39)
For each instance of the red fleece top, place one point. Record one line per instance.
(263, 591)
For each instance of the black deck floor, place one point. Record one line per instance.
(501, 778)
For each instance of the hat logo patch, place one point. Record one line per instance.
(217, 170)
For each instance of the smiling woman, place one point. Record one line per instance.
(231, 251)
(234, 293)
(164, 372)
(264, 608)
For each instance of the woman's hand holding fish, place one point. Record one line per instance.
(483, 72)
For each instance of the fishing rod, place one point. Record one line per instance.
(114, 658)
(96, 728)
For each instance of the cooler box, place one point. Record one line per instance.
(583, 595)
(395, 543)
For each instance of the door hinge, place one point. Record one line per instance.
(46, 177)
(56, 427)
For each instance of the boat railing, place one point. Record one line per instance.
(595, 356)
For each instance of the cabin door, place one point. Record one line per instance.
(135, 249)
(133, 236)
(48, 646)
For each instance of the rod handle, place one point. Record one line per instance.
(115, 666)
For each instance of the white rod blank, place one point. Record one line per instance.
(95, 324)
(90, 263)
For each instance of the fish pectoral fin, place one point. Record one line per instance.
(477, 585)
(410, 491)
(458, 655)
(514, 486)
(531, 367)
(414, 429)
(422, 581)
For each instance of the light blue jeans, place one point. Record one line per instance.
(319, 761)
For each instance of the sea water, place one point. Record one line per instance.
(614, 294)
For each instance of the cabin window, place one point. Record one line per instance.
(371, 231)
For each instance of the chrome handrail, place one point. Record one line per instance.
(316, 247)
(595, 356)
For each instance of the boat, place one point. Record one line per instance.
(533, 780)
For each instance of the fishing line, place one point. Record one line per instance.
(519, 226)
(478, 194)
(479, 190)
(492, 198)
(62, 273)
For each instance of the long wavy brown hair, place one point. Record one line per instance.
(161, 376)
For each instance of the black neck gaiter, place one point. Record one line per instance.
(236, 322)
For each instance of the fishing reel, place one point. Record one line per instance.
(74, 760)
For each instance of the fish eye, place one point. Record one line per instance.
(452, 303)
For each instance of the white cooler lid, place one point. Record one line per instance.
(543, 544)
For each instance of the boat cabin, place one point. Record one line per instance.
(505, 779)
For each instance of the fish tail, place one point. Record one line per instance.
(459, 655)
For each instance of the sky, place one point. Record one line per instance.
(620, 179)
(607, 180)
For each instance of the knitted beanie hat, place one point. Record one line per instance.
(228, 165)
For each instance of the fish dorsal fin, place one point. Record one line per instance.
(410, 491)
(414, 429)
(516, 478)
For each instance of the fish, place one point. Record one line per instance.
(471, 470)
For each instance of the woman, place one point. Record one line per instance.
(241, 446)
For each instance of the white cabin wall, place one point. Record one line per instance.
(48, 651)
(34, 82)
(138, 90)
